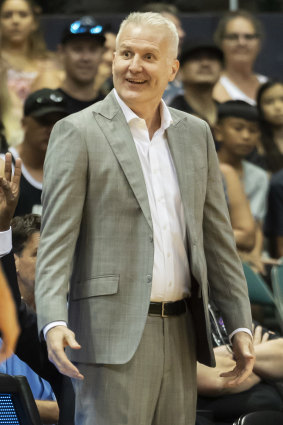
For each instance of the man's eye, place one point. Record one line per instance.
(148, 56)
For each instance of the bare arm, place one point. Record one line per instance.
(242, 221)
(48, 411)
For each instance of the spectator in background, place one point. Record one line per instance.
(269, 152)
(170, 12)
(103, 79)
(200, 67)
(237, 132)
(42, 109)
(273, 228)
(239, 34)
(81, 51)
(25, 56)
(242, 221)
(25, 233)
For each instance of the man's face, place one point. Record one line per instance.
(201, 68)
(143, 65)
(237, 136)
(25, 265)
(81, 58)
(37, 130)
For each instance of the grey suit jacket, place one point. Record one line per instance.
(97, 234)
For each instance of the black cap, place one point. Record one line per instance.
(193, 48)
(85, 26)
(237, 109)
(43, 102)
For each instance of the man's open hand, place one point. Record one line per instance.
(57, 339)
(244, 357)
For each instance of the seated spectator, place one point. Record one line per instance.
(24, 54)
(42, 109)
(273, 227)
(260, 391)
(239, 35)
(237, 133)
(9, 326)
(81, 51)
(200, 67)
(25, 234)
(30, 349)
(269, 152)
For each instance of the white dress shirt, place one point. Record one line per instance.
(171, 275)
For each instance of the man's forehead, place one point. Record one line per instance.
(137, 35)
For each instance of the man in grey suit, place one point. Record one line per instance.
(134, 224)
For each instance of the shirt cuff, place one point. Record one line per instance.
(5, 242)
(52, 325)
(240, 330)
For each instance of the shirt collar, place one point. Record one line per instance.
(166, 118)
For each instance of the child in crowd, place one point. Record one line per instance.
(269, 153)
(237, 132)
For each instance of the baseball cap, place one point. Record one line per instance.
(43, 102)
(86, 26)
(192, 48)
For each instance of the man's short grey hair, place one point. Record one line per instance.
(155, 20)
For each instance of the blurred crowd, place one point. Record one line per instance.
(218, 83)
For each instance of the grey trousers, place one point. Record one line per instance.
(156, 387)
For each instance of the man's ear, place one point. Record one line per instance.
(174, 70)
(17, 259)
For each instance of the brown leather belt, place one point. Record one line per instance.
(165, 309)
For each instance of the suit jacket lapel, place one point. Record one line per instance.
(179, 141)
(112, 122)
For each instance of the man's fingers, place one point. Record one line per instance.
(71, 342)
(8, 166)
(241, 371)
(63, 364)
(17, 172)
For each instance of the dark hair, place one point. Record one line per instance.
(229, 16)
(22, 228)
(160, 8)
(37, 47)
(274, 158)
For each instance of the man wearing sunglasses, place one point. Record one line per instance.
(42, 109)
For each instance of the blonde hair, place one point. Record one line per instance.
(155, 20)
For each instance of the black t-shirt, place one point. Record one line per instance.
(75, 105)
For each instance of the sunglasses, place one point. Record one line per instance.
(49, 99)
(79, 27)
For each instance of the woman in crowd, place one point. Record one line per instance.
(24, 54)
(239, 34)
(269, 154)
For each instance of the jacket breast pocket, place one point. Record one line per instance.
(101, 285)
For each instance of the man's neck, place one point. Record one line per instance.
(83, 92)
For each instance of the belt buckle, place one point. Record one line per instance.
(163, 309)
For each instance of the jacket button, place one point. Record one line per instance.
(149, 278)
(151, 238)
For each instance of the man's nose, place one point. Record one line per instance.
(135, 64)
